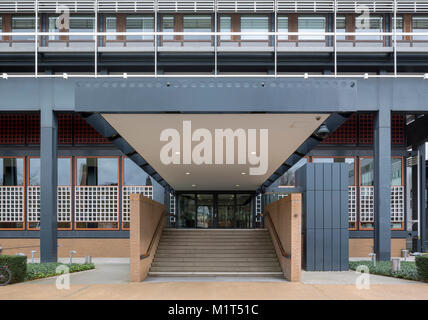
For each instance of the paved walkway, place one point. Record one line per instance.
(110, 281)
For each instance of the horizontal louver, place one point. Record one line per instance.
(210, 5)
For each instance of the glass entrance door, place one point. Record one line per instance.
(215, 210)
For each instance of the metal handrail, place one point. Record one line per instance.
(278, 240)
(152, 241)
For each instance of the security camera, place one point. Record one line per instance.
(323, 131)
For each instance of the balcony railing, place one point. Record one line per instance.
(280, 6)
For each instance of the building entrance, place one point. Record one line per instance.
(215, 210)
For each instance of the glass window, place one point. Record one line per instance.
(23, 24)
(420, 24)
(11, 171)
(350, 161)
(399, 26)
(254, 24)
(367, 171)
(340, 27)
(64, 172)
(53, 28)
(282, 27)
(226, 26)
(366, 25)
(1, 27)
(111, 27)
(197, 24)
(133, 175)
(186, 210)
(396, 172)
(139, 24)
(311, 24)
(82, 24)
(288, 178)
(168, 26)
(97, 171)
(34, 178)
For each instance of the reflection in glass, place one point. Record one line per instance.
(226, 26)
(111, 27)
(34, 179)
(244, 211)
(226, 210)
(254, 24)
(420, 24)
(133, 175)
(168, 26)
(340, 27)
(367, 171)
(23, 24)
(283, 27)
(288, 178)
(366, 25)
(186, 210)
(205, 206)
(82, 24)
(11, 172)
(139, 24)
(64, 171)
(97, 171)
(311, 24)
(197, 24)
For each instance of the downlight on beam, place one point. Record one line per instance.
(5, 76)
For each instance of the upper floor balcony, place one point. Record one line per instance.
(333, 32)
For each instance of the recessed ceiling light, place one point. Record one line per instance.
(193, 185)
(253, 152)
(177, 152)
(243, 173)
(187, 172)
(237, 185)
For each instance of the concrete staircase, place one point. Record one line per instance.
(215, 252)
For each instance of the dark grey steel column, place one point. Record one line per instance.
(382, 184)
(422, 198)
(48, 185)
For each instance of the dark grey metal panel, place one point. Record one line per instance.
(329, 239)
(319, 209)
(328, 250)
(48, 186)
(327, 209)
(327, 177)
(382, 184)
(154, 95)
(309, 257)
(309, 207)
(344, 249)
(319, 249)
(336, 250)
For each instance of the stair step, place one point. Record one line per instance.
(169, 258)
(216, 269)
(193, 255)
(275, 274)
(215, 264)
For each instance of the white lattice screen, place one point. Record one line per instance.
(397, 204)
(96, 204)
(63, 203)
(11, 204)
(367, 204)
(352, 203)
(126, 191)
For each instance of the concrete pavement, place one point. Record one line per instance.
(110, 281)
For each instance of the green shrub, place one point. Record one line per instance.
(408, 269)
(422, 267)
(45, 270)
(17, 265)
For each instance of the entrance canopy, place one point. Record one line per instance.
(215, 151)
